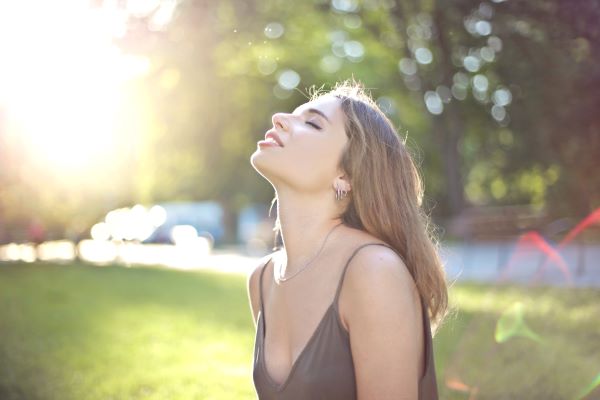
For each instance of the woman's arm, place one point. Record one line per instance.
(385, 322)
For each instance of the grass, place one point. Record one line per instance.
(82, 332)
(559, 366)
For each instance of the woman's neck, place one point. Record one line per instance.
(305, 224)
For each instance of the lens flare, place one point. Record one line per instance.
(532, 240)
(589, 388)
(592, 219)
(459, 386)
(511, 324)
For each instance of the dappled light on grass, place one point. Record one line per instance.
(168, 347)
(157, 334)
(115, 332)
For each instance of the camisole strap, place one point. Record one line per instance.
(339, 288)
(260, 285)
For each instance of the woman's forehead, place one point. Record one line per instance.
(327, 104)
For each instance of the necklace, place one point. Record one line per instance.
(282, 279)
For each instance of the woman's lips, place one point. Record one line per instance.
(268, 143)
(271, 134)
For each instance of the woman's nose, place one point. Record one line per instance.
(279, 121)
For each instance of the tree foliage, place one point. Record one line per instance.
(498, 99)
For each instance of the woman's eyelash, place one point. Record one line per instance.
(314, 125)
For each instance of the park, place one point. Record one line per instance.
(132, 213)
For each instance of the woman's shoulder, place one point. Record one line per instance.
(376, 278)
(258, 265)
(365, 244)
(255, 271)
(376, 265)
(374, 256)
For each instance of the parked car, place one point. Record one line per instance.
(163, 223)
(206, 218)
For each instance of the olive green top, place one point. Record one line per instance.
(325, 369)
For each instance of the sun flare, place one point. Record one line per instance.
(63, 80)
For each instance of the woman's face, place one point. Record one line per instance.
(313, 137)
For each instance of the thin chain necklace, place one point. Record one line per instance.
(282, 279)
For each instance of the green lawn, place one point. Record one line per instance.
(82, 332)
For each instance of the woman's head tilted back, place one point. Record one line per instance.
(363, 154)
(312, 139)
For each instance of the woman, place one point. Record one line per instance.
(343, 309)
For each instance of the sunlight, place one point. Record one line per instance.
(63, 80)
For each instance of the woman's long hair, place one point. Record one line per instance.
(387, 193)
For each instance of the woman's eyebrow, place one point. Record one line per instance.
(315, 111)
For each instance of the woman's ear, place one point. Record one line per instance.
(342, 183)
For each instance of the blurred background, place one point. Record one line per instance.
(130, 214)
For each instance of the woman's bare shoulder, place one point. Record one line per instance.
(257, 265)
(253, 282)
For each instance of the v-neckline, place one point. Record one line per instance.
(280, 386)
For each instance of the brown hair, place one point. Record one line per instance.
(387, 193)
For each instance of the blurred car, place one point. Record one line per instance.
(204, 219)
(169, 223)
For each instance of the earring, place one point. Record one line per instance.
(340, 193)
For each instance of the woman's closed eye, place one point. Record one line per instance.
(314, 125)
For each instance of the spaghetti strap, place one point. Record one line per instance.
(339, 288)
(260, 285)
(328, 349)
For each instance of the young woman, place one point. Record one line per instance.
(344, 309)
